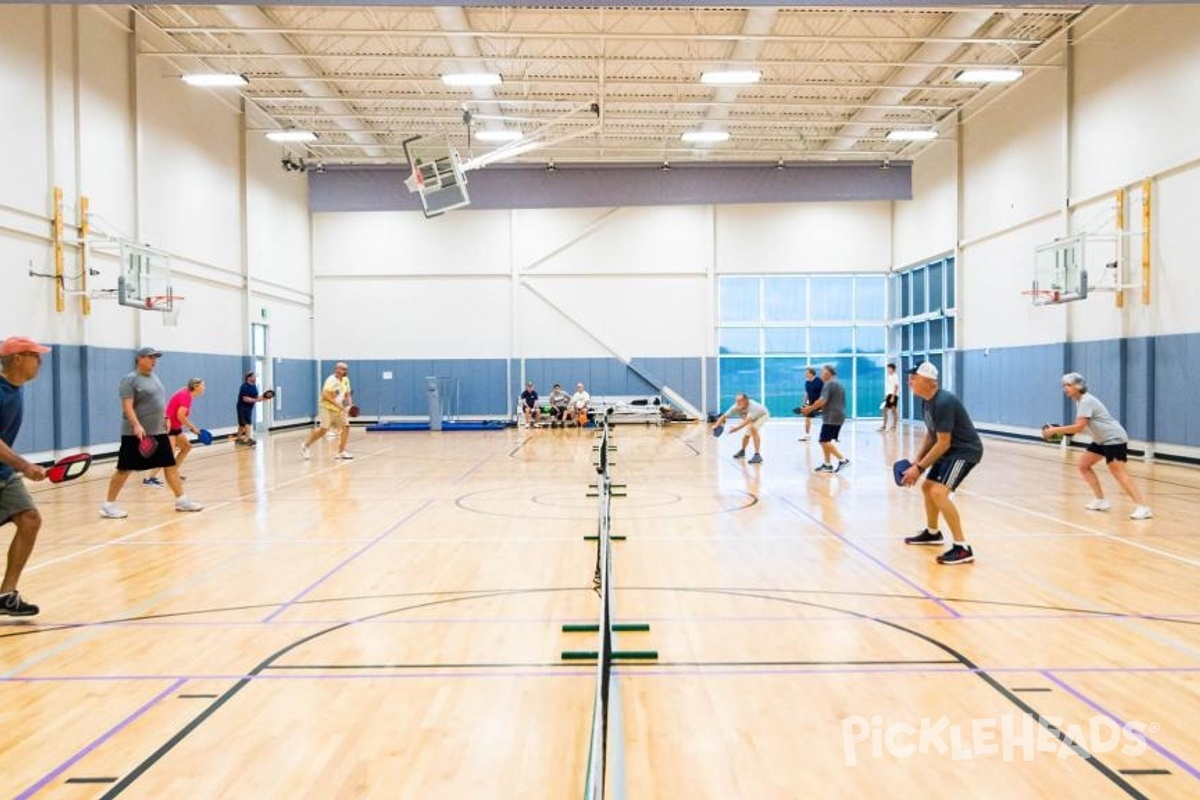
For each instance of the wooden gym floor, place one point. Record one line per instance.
(391, 627)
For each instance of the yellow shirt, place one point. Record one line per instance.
(340, 387)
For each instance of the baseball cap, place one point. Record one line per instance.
(926, 370)
(148, 351)
(21, 344)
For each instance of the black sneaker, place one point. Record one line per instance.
(957, 555)
(824, 468)
(925, 537)
(12, 605)
(841, 465)
(755, 459)
(740, 454)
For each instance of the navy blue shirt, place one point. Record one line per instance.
(248, 390)
(813, 389)
(12, 409)
(530, 397)
(945, 413)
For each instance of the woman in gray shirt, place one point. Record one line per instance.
(1109, 441)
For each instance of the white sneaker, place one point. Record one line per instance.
(1142, 512)
(305, 453)
(111, 511)
(803, 438)
(1099, 505)
(346, 454)
(186, 504)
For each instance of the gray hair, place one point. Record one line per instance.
(1076, 380)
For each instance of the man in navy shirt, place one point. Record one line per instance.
(247, 397)
(20, 360)
(951, 449)
(529, 404)
(812, 393)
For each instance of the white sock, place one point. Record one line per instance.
(934, 531)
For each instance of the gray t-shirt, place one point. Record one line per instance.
(1102, 426)
(149, 403)
(834, 410)
(754, 411)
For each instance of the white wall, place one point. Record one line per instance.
(599, 282)
(161, 163)
(1134, 116)
(927, 225)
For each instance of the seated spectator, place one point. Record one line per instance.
(560, 401)
(529, 404)
(579, 405)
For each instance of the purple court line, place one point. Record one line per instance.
(111, 732)
(936, 600)
(270, 617)
(1155, 746)
(583, 669)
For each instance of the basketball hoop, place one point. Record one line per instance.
(1043, 297)
(162, 302)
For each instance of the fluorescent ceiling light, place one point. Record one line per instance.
(726, 77)
(988, 75)
(705, 137)
(291, 135)
(498, 136)
(911, 136)
(472, 79)
(215, 79)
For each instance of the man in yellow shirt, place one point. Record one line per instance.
(336, 399)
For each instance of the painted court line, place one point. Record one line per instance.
(907, 581)
(346, 561)
(1111, 537)
(104, 737)
(1153, 745)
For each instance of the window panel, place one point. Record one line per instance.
(950, 284)
(869, 297)
(786, 299)
(869, 373)
(869, 339)
(739, 375)
(832, 299)
(918, 290)
(784, 384)
(739, 299)
(935, 286)
(935, 334)
(918, 337)
(739, 341)
(827, 341)
(786, 340)
(949, 344)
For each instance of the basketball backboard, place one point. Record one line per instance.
(437, 174)
(1060, 272)
(145, 279)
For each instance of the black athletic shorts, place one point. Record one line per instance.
(891, 401)
(950, 472)
(829, 433)
(245, 416)
(130, 459)
(1111, 452)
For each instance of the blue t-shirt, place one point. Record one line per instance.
(12, 409)
(248, 390)
(813, 389)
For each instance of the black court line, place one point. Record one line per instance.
(955, 655)
(1144, 771)
(91, 780)
(1032, 689)
(687, 444)
(512, 452)
(29, 628)
(195, 696)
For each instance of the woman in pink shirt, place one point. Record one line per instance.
(179, 412)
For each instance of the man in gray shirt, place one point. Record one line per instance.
(833, 403)
(144, 440)
(1109, 441)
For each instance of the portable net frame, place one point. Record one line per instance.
(598, 748)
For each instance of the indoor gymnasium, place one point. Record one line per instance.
(599, 401)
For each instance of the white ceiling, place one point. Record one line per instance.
(834, 80)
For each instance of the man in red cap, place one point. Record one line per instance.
(20, 360)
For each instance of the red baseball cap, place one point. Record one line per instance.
(21, 344)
